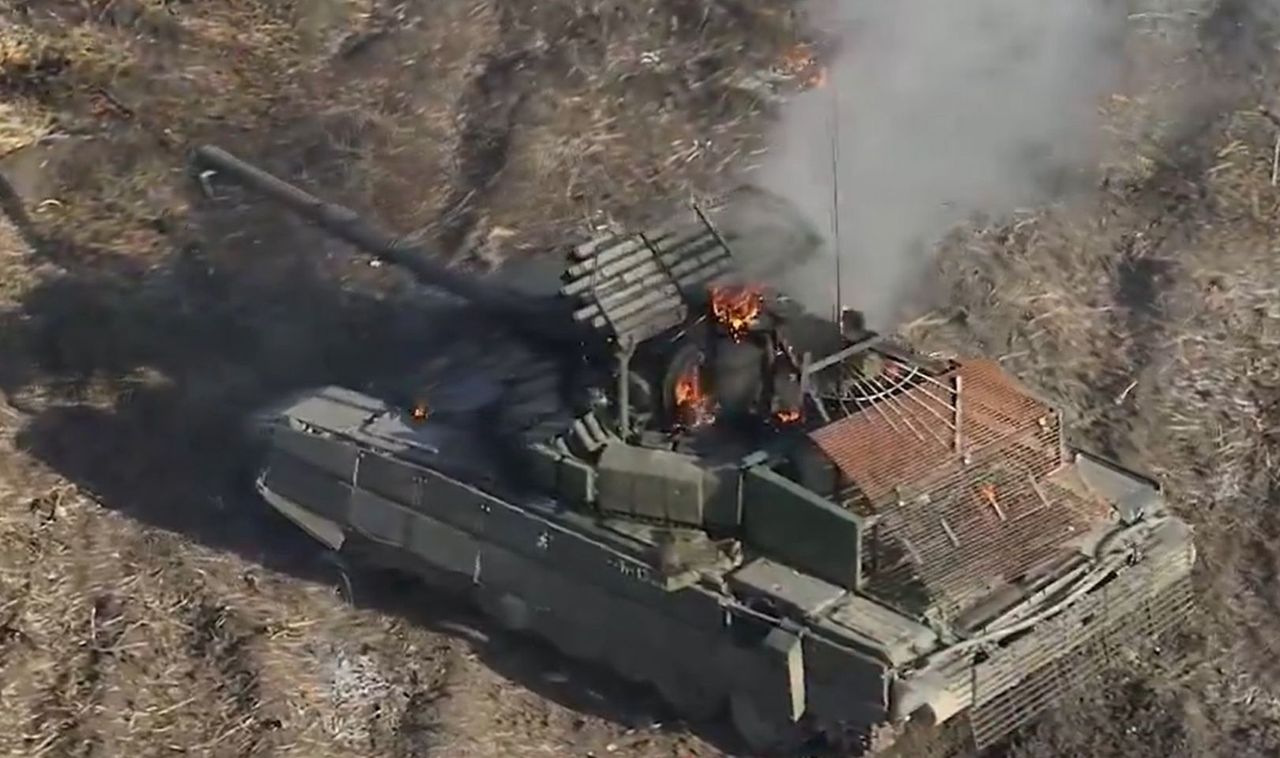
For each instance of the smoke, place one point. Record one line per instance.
(938, 110)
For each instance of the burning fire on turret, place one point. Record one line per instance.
(736, 308)
(693, 404)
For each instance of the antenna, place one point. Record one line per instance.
(834, 132)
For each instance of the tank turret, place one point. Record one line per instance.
(688, 339)
(753, 508)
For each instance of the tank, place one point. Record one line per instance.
(806, 527)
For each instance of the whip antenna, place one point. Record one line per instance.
(834, 132)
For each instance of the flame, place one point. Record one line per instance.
(736, 308)
(420, 412)
(797, 58)
(988, 492)
(799, 61)
(693, 404)
(787, 415)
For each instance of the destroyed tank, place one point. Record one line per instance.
(804, 525)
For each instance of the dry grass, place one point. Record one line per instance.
(146, 611)
(409, 112)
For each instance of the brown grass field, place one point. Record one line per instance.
(149, 608)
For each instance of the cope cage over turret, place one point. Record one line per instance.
(668, 467)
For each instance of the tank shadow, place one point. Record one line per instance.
(135, 381)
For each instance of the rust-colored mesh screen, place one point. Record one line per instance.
(955, 521)
(900, 445)
(957, 548)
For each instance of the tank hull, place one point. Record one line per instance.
(607, 611)
(556, 573)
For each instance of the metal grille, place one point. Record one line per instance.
(1063, 656)
(630, 287)
(955, 521)
(885, 459)
(959, 547)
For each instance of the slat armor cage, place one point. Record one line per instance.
(959, 512)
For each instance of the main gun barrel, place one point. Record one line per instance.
(346, 224)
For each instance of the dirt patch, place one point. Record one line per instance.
(149, 606)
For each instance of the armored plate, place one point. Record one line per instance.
(401, 433)
(898, 638)
(1133, 497)
(806, 595)
(335, 408)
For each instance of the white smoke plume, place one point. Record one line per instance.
(945, 109)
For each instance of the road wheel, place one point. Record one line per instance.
(631, 663)
(511, 613)
(692, 697)
(335, 570)
(577, 640)
(761, 733)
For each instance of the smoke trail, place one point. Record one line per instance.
(945, 109)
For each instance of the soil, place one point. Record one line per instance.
(150, 606)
